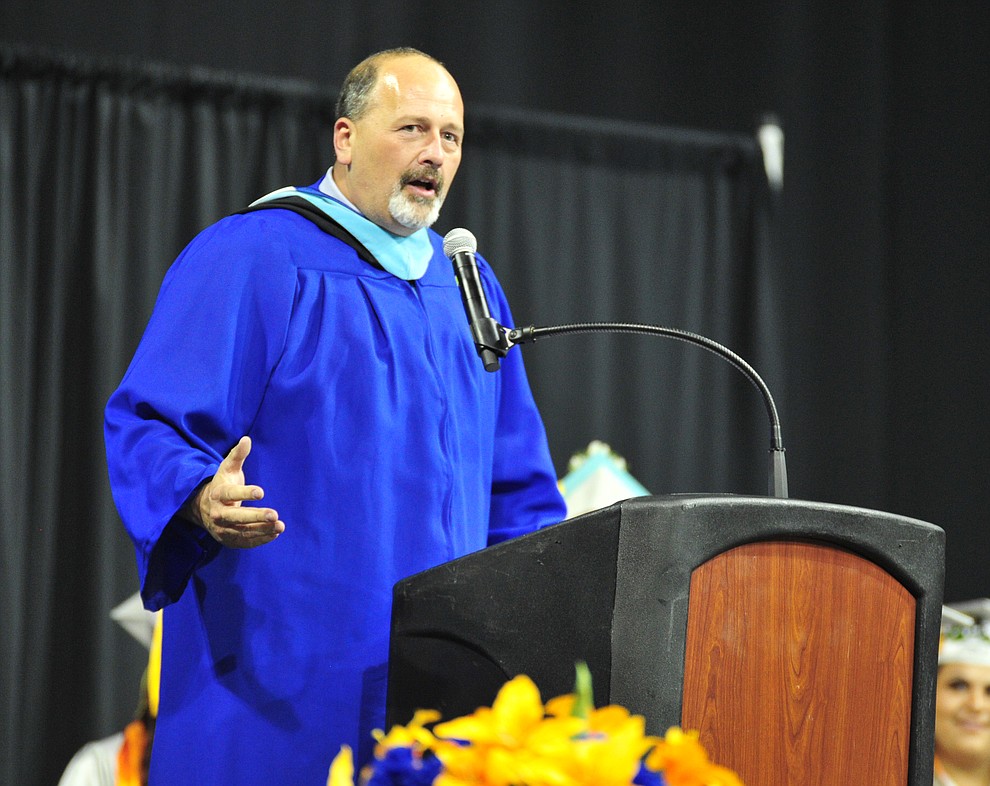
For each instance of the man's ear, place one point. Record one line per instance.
(343, 134)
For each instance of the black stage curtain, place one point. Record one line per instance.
(107, 169)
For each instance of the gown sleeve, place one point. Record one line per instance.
(525, 494)
(192, 390)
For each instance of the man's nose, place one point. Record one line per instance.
(433, 152)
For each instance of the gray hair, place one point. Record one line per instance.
(354, 98)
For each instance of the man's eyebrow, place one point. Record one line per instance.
(455, 128)
(420, 120)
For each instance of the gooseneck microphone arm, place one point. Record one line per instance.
(493, 341)
(778, 466)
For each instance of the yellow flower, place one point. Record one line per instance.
(521, 742)
(511, 743)
(562, 706)
(514, 714)
(342, 768)
(621, 746)
(410, 735)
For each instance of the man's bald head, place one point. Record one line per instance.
(358, 91)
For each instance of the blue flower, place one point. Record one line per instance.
(400, 767)
(646, 777)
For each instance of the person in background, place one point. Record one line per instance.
(122, 759)
(962, 704)
(323, 364)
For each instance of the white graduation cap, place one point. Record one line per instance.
(133, 617)
(596, 479)
(965, 633)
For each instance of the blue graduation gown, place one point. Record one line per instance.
(379, 438)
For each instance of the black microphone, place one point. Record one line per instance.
(459, 246)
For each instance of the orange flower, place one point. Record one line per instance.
(684, 762)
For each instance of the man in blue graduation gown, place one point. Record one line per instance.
(303, 424)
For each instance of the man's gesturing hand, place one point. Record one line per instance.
(217, 508)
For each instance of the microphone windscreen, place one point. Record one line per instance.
(458, 240)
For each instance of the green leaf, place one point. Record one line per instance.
(585, 697)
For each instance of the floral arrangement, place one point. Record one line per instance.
(519, 741)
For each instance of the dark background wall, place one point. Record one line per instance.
(882, 220)
(881, 225)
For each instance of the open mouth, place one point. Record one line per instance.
(425, 186)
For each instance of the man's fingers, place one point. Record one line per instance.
(234, 461)
(234, 493)
(248, 535)
(242, 515)
(242, 542)
(252, 528)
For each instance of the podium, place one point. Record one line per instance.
(799, 638)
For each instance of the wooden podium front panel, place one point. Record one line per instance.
(798, 665)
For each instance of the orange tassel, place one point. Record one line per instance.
(131, 755)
